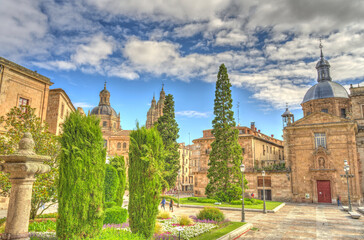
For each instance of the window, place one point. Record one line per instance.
(243, 150)
(104, 123)
(325, 110)
(114, 125)
(23, 102)
(263, 150)
(320, 140)
(308, 113)
(62, 110)
(343, 113)
(124, 145)
(105, 143)
(119, 145)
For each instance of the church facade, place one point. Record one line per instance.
(116, 140)
(317, 145)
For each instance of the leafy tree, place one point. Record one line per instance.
(168, 128)
(226, 154)
(16, 122)
(81, 178)
(118, 163)
(111, 183)
(146, 155)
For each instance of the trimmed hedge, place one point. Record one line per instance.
(115, 215)
(109, 204)
(247, 201)
(211, 213)
(81, 178)
(146, 155)
(118, 163)
(202, 200)
(111, 183)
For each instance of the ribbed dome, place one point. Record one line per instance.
(103, 110)
(325, 89)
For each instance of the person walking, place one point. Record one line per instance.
(171, 206)
(163, 203)
(338, 200)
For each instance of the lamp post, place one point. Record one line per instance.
(346, 169)
(179, 173)
(264, 208)
(242, 170)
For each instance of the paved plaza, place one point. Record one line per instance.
(297, 221)
(293, 221)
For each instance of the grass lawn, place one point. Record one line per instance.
(216, 233)
(269, 204)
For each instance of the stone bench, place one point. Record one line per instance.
(345, 208)
(355, 215)
(361, 209)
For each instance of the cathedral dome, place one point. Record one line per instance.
(103, 110)
(104, 107)
(326, 89)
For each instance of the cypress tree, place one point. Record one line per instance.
(118, 163)
(168, 129)
(111, 183)
(81, 178)
(226, 154)
(146, 162)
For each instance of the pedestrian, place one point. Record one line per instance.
(163, 203)
(252, 195)
(338, 200)
(171, 205)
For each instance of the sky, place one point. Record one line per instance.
(270, 49)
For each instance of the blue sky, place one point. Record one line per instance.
(270, 49)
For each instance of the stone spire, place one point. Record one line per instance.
(104, 96)
(323, 68)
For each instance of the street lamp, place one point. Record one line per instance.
(179, 173)
(264, 208)
(346, 169)
(242, 170)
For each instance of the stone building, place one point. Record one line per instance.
(260, 151)
(21, 86)
(156, 109)
(317, 145)
(59, 107)
(116, 139)
(185, 178)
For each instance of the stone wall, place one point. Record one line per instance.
(59, 107)
(18, 82)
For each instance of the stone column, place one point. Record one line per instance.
(22, 166)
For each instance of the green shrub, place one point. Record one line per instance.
(118, 163)
(115, 215)
(111, 183)
(2, 220)
(48, 226)
(110, 204)
(158, 229)
(185, 220)
(164, 215)
(211, 213)
(146, 156)
(48, 215)
(202, 200)
(193, 199)
(81, 178)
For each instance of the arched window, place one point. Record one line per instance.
(119, 145)
(124, 145)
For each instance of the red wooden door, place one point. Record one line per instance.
(323, 191)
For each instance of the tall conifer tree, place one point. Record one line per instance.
(168, 129)
(226, 154)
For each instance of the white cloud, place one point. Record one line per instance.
(92, 53)
(83, 105)
(192, 114)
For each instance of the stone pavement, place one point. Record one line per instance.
(297, 221)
